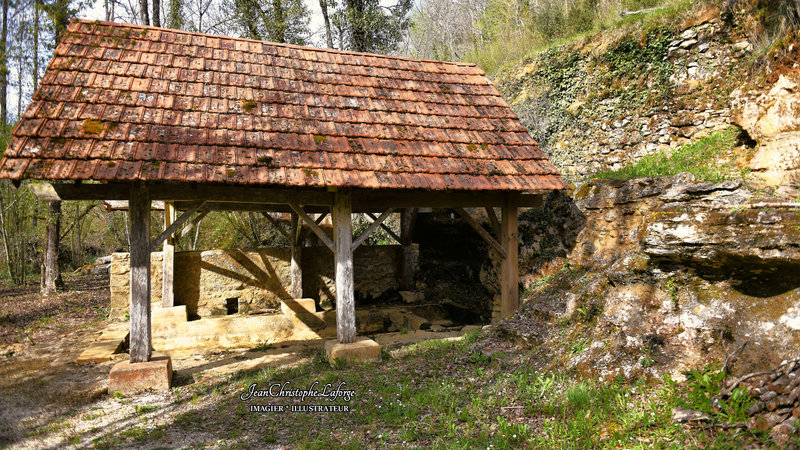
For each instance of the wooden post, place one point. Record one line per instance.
(297, 257)
(509, 272)
(345, 291)
(168, 268)
(139, 217)
(407, 218)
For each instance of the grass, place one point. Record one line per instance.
(708, 159)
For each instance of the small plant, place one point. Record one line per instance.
(672, 290)
(118, 394)
(248, 105)
(144, 409)
(320, 139)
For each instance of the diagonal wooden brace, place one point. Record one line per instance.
(175, 225)
(371, 228)
(482, 232)
(314, 227)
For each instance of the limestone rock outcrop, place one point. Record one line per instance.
(772, 119)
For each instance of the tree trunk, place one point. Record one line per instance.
(4, 67)
(280, 21)
(156, 13)
(51, 273)
(35, 45)
(144, 17)
(324, 5)
(358, 33)
(175, 17)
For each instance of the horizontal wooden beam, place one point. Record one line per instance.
(482, 232)
(187, 192)
(373, 200)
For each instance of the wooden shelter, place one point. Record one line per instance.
(206, 123)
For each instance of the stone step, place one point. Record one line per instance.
(174, 314)
(106, 345)
(295, 306)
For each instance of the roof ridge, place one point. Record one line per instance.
(279, 44)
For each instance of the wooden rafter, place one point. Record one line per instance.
(482, 232)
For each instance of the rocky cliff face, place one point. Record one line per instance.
(663, 274)
(772, 118)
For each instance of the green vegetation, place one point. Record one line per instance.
(511, 32)
(708, 159)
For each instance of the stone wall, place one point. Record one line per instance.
(588, 116)
(256, 279)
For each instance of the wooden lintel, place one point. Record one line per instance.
(362, 200)
(174, 226)
(313, 224)
(191, 192)
(371, 228)
(385, 228)
(278, 226)
(482, 232)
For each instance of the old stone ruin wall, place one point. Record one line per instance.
(221, 282)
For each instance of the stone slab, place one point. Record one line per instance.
(130, 378)
(298, 305)
(362, 350)
(173, 314)
(108, 344)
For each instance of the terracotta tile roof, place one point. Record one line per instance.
(123, 102)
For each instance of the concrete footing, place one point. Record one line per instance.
(363, 349)
(130, 378)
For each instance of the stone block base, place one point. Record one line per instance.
(298, 306)
(130, 378)
(363, 349)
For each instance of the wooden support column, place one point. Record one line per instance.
(408, 217)
(345, 291)
(297, 257)
(139, 218)
(168, 268)
(509, 272)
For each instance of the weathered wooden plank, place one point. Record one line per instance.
(313, 225)
(509, 270)
(496, 246)
(362, 200)
(296, 258)
(408, 217)
(139, 225)
(345, 291)
(175, 225)
(168, 267)
(371, 228)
